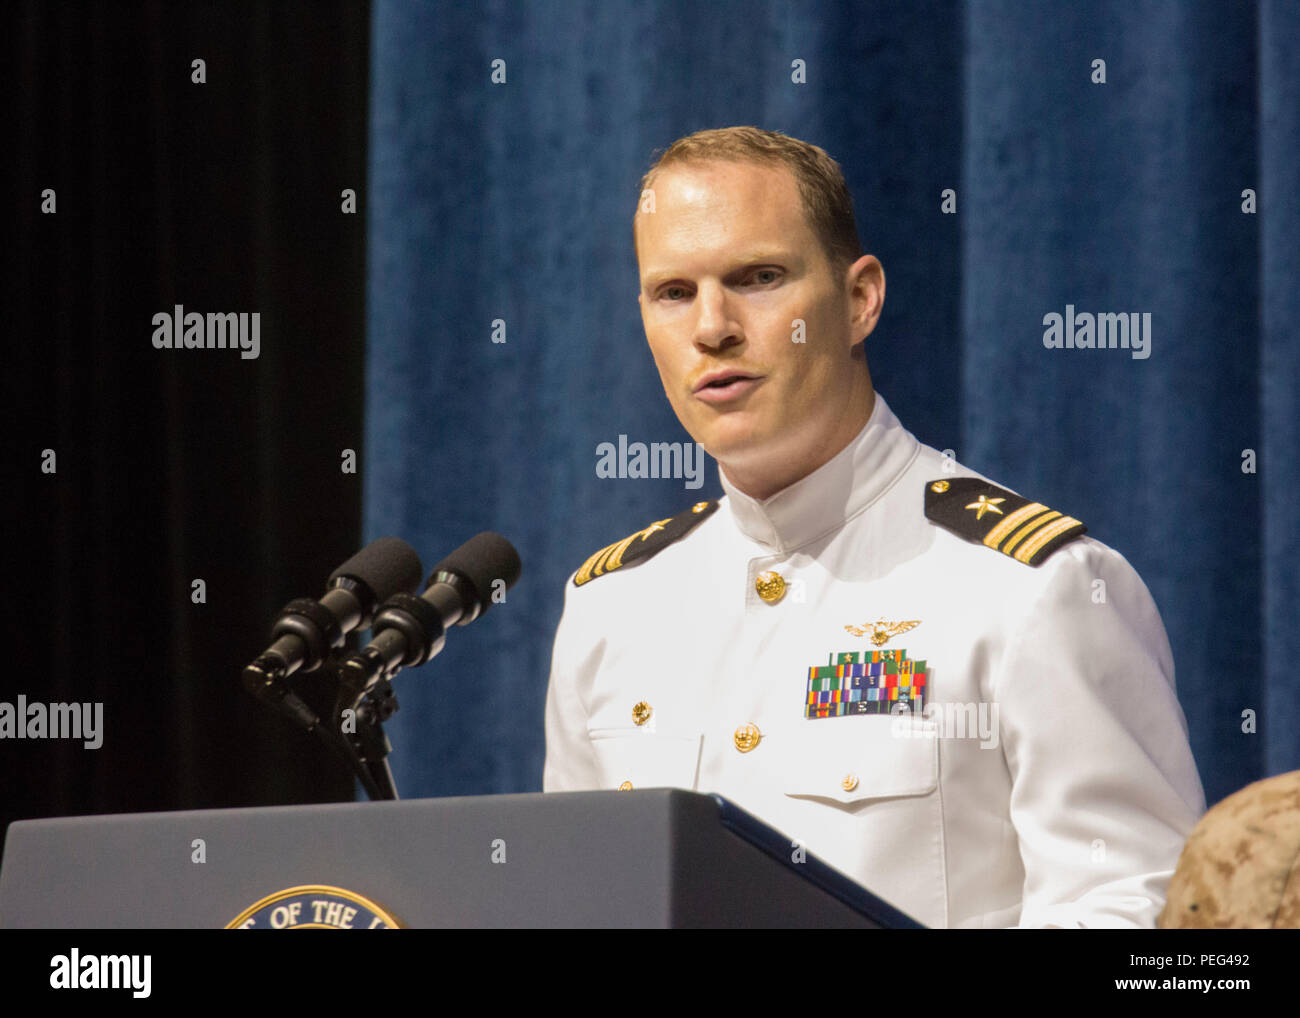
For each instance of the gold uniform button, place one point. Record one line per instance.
(849, 783)
(747, 737)
(641, 713)
(699, 507)
(939, 487)
(626, 786)
(770, 587)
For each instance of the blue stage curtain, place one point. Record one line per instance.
(513, 201)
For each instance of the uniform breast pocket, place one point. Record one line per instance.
(855, 760)
(634, 758)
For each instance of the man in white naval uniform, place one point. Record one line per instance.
(943, 689)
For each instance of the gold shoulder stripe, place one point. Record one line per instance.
(643, 544)
(594, 565)
(610, 557)
(1042, 519)
(1040, 541)
(994, 537)
(973, 509)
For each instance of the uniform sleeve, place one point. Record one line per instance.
(570, 760)
(1104, 787)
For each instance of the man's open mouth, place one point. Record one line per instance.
(722, 380)
(722, 386)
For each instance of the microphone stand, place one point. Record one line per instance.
(366, 691)
(364, 751)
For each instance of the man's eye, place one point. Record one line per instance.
(764, 276)
(673, 292)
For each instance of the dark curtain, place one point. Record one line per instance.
(512, 201)
(173, 466)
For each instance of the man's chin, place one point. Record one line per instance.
(740, 451)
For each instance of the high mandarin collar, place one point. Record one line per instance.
(833, 493)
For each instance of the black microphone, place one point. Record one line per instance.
(408, 630)
(308, 630)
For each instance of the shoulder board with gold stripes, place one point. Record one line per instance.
(984, 513)
(643, 544)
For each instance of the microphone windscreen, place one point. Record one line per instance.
(387, 566)
(481, 560)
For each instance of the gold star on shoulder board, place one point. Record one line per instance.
(881, 632)
(984, 504)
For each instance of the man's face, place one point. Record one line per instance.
(729, 267)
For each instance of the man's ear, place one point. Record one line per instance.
(866, 285)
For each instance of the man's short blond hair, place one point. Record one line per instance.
(827, 204)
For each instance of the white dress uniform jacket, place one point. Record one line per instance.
(1048, 779)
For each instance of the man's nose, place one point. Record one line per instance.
(715, 325)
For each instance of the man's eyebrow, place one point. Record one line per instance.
(742, 263)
